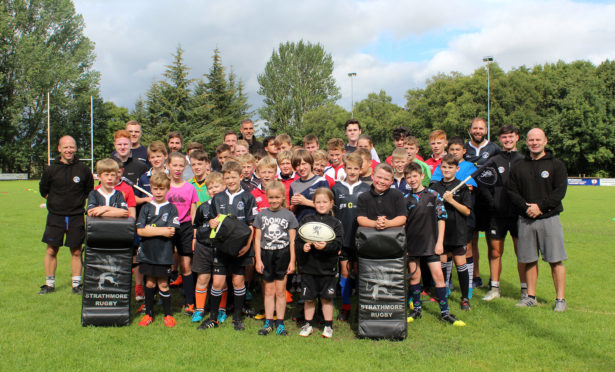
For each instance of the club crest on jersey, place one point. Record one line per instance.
(485, 155)
(501, 170)
(544, 174)
(240, 206)
(76, 179)
(165, 217)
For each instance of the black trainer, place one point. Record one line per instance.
(267, 329)
(209, 323)
(78, 290)
(450, 318)
(46, 289)
(465, 305)
(238, 325)
(416, 313)
(344, 316)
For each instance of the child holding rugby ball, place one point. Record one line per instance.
(317, 260)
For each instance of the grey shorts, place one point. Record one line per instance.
(545, 236)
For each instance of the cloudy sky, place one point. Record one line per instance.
(393, 45)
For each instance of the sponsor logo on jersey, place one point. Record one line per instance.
(501, 170)
(544, 174)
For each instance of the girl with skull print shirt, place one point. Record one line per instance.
(274, 248)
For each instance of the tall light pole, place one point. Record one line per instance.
(488, 59)
(351, 75)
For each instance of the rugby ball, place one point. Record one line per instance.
(316, 232)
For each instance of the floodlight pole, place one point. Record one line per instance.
(92, 133)
(351, 75)
(48, 134)
(488, 59)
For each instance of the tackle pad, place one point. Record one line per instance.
(382, 283)
(107, 271)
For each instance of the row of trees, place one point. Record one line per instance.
(43, 49)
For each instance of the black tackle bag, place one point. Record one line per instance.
(107, 272)
(382, 283)
(231, 235)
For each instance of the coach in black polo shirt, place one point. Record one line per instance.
(247, 133)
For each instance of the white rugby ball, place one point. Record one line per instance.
(316, 232)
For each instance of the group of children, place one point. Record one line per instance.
(274, 194)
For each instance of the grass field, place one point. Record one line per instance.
(45, 332)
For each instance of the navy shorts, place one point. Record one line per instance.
(64, 230)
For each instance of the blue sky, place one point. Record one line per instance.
(391, 45)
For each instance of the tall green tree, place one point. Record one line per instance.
(43, 49)
(298, 78)
(168, 102)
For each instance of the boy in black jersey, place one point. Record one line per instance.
(425, 241)
(346, 194)
(458, 207)
(156, 225)
(106, 201)
(239, 203)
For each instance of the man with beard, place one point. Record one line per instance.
(502, 218)
(536, 188)
(478, 151)
(247, 133)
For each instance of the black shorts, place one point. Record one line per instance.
(426, 259)
(157, 271)
(313, 286)
(276, 263)
(203, 258)
(182, 240)
(349, 254)
(498, 227)
(481, 220)
(225, 264)
(455, 250)
(58, 227)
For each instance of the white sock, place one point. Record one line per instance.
(495, 284)
(76, 281)
(50, 281)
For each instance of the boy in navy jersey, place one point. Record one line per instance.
(425, 241)
(458, 206)
(239, 203)
(156, 225)
(345, 195)
(302, 190)
(106, 201)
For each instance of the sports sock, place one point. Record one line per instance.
(188, 288)
(524, 286)
(270, 321)
(470, 264)
(415, 292)
(464, 280)
(328, 323)
(346, 290)
(494, 284)
(166, 301)
(443, 266)
(76, 281)
(240, 298)
(214, 303)
(449, 270)
(279, 322)
(149, 300)
(532, 297)
(223, 299)
(200, 296)
(50, 280)
(442, 300)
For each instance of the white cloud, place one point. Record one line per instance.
(135, 40)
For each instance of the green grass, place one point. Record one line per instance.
(45, 332)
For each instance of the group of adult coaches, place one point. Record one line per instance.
(534, 185)
(527, 204)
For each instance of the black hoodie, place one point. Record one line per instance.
(316, 261)
(66, 187)
(542, 181)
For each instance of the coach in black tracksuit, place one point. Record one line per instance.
(65, 184)
(536, 188)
